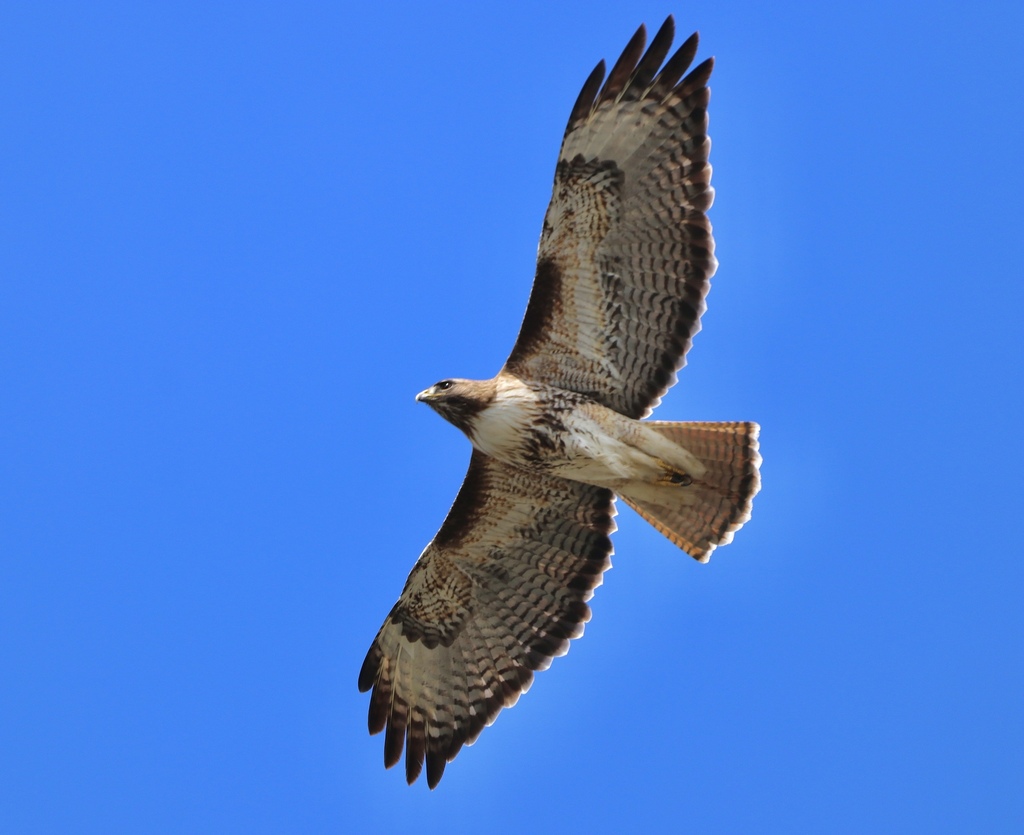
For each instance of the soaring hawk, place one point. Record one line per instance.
(623, 267)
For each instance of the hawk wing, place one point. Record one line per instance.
(626, 252)
(498, 593)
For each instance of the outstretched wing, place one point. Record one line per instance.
(626, 252)
(499, 592)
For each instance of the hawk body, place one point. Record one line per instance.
(623, 268)
(549, 430)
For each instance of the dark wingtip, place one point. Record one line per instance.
(648, 66)
(675, 67)
(368, 672)
(585, 100)
(698, 78)
(435, 769)
(394, 742)
(377, 715)
(413, 767)
(624, 67)
(636, 73)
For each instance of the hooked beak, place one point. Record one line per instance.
(424, 396)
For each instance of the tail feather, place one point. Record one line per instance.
(705, 510)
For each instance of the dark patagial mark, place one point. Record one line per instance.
(545, 304)
(469, 505)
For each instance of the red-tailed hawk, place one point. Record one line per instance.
(623, 266)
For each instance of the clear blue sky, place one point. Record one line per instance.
(236, 239)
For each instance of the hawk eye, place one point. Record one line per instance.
(444, 385)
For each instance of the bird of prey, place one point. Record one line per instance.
(623, 268)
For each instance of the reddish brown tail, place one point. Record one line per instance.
(701, 515)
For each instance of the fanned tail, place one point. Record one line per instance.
(699, 512)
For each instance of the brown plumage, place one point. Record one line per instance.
(496, 595)
(623, 266)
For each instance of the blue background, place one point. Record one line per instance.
(236, 239)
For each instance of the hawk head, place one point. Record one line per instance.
(459, 401)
